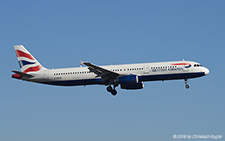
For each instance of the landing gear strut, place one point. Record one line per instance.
(186, 84)
(111, 90)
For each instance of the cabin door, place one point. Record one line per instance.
(46, 75)
(146, 70)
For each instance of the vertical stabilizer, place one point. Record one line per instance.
(26, 61)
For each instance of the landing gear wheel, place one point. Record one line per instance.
(187, 86)
(114, 92)
(109, 88)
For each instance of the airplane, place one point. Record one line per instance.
(128, 76)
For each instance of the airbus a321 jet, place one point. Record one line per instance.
(128, 76)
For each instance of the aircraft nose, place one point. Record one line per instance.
(206, 71)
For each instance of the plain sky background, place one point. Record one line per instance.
(61, 33)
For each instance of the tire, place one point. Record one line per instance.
(109, 88)
(114, 92)
(187, 86)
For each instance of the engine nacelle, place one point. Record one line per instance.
(139, 85)
(128, 79)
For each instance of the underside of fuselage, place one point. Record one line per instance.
(143, 78)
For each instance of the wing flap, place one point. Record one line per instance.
(99, 70)
(105, 74)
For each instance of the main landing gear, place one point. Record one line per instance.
(111, 90)
(186, 84)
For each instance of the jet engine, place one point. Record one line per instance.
(128, 79)
(139, 85)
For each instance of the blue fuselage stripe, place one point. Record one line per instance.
(141, 78)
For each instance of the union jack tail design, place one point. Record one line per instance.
(26, 61)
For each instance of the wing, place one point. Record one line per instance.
(106, 75)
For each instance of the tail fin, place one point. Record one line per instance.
(26, 61)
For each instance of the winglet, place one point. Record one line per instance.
(81, 63)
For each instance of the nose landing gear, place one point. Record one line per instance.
(186, 84)
(111, 90)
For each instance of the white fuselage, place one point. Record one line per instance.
(144, 71)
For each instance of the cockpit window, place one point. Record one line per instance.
(197, 65)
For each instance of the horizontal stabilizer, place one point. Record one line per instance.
(23, 74)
